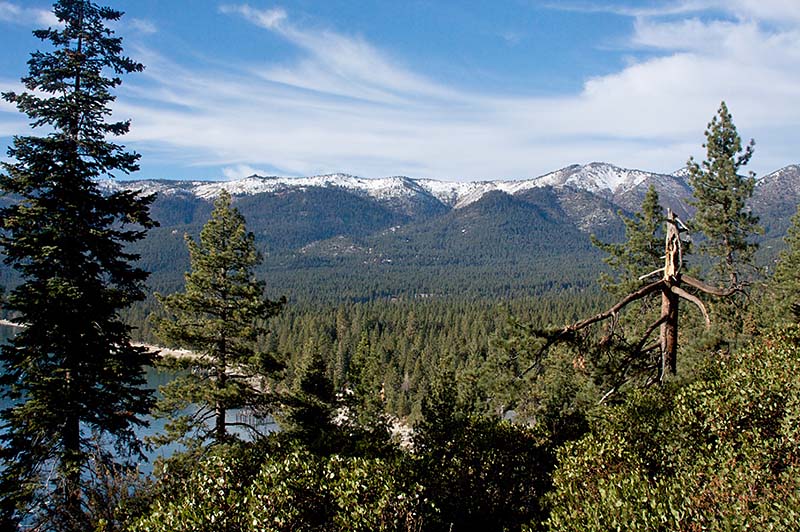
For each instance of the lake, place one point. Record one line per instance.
(155, 379)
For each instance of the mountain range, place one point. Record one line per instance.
(406, 194)
(339, 236)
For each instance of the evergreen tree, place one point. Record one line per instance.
(631, 261)
(71, 375)
(640, 253)
(720, 198)
(782, 299)
(219, 316)
(312, 404)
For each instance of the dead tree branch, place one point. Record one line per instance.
(653, 326)
(680, 292)
(553, 338)
(671, 293)
(708, 289)
(630, 298)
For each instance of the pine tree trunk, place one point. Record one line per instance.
(219, 407)
(669, 333)
(219, 426)
(71, 465)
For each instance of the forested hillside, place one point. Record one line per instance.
(334, 244)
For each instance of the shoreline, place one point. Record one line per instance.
(159, 350)
(163, 352)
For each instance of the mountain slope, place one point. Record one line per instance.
(775, 200)
(339, 236)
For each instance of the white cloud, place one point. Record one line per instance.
(10, 128)
(11, 12)
(270, 19)
(786, 11)
(339, 64)
(667, 8)
(346, 105)
(241, 170)
(143, 26)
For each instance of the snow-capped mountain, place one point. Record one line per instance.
(775, 199)
(598, 178)
(379, 188)
(362, 238)
(784, 182)
(621, 188)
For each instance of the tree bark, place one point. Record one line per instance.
(71, 462)
(669, 333)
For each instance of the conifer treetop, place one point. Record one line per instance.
(721, 193)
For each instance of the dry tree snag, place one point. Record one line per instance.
(671, 287)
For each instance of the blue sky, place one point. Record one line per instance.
(446, 89)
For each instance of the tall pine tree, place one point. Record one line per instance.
(725, 221)
(720, 195)
(219, 316)
(70, 375)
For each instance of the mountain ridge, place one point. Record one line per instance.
(605, 179)
(596, 177)
(339, 236)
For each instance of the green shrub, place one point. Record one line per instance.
(288, 491)
(718, 454)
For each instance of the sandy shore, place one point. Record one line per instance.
(162, 351)
(167, 352)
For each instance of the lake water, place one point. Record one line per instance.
(155, 379)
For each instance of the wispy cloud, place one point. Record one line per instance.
(241, 170)
(343, 104)
(634, 9)
(339, 64)
(266, 18)
(143, 26)
(14, 13)
(764, 10)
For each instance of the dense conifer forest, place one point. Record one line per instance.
(581, 405)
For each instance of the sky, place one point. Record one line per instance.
(447, 89)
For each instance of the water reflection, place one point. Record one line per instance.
(155, 379)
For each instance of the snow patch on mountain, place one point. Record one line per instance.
(787, 173)
(599, 178)
(682, 173)
(460, 194)
(602, 178)
(382, 188)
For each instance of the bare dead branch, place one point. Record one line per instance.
(653, 326)
(608, 394)
(577, 326)
(680, 225)
(654, 345)
(708, 289)
(630, 298)
(680, 292)
(645, 276)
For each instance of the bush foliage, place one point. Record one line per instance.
(718, 454)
